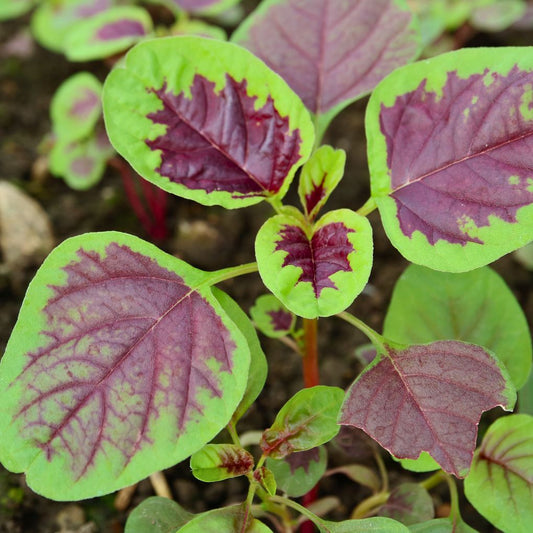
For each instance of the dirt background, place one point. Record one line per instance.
(208, 238)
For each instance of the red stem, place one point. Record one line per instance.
(311, 379)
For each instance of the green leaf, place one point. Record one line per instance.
(450, 151)
(500, 484)
(157, 515)
(258, 363)
(206, 120)
(476, 307)
(497, 15)
(307, 420)
(442, 525)
(271, 317)
(215, 462)
(76, 107)
(525, 256)
(266, 478)
(525, 397)
(359, 474)
(424, 463)
(299, 472)
(320, 175)
(315, 270)
(107, 33)
(409, 503)
(374, 525)
(228, 519)
(122, 363)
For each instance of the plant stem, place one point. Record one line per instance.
(436, 479)
(454, 498)
(297, 507)
(218, 276)
(375, 338)
(367, 207)
(160, 485)
(368, 506)
(382, 470)
(310, 355)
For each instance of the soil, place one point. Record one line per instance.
(209, 238)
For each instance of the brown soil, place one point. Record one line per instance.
(222, 238)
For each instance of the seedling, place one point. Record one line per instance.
(126, 360)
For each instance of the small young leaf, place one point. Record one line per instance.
(476, 307)
(331, 52)
(359, 474)
(157, 515)
(76, 107)
(122, 363)
(108, 33)
(502, 472)
(203, 7)
(450, 150)
(271, 317)
(215, 462)
(428, 398)
(267, 480)
(258, 363)
(409, 503)
(374, 525)
(442, 525)
(320, 175)
(53, 21)
(206, 120)
(227, 519)
(299, 472)
(307, 420)
(318, 271)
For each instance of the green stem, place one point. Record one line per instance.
(297, 507)
(233, 433)
(232, 272)
(455, 513)
(436, 479)
(367, 207)
(382, 471)
(310, 356)
(368, 506)
(375, 338)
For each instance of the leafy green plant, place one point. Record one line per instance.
(126, 360)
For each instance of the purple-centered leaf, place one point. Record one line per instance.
(451, 163)
(207, 120)
(271, 317)
(428, 398)
(215, 462)
(218, 140)
(319, 257)
(330, 52)
(315, 270)
(124, 367)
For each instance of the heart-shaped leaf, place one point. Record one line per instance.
(271, 317)
(307, 420)
(331, 52)
(318, 270)
(299, 472)
(108, 33)
(450, 149)
(476, 307)
(157, 515)
(76, 107)
(409, 503)
(502, 471)
(320, 175)
(428, 398)
(206, 120)
(122, 363)
(215, 462)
